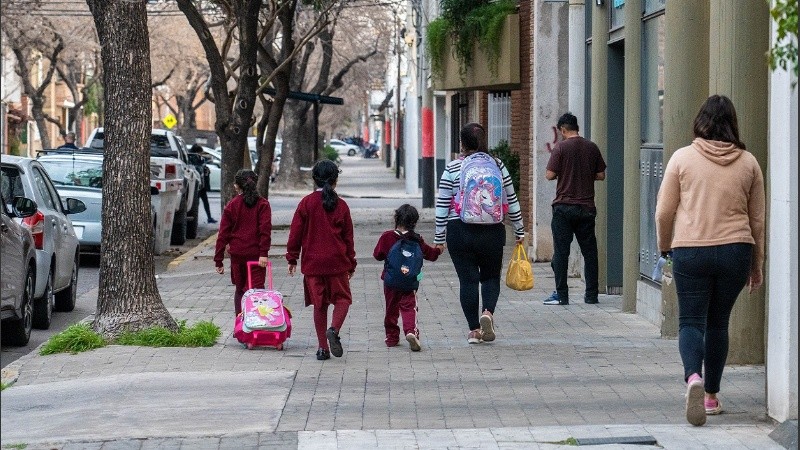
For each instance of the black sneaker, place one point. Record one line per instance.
(554, 300)
(591, 301)
(212, 220)
(323, 354)
(335, 342)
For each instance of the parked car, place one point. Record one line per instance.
(343, 148)
(171, 149)
(78, 176)
(18, 271)
(57, 251)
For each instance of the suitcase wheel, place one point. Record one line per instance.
(279, 346)
(249, 346)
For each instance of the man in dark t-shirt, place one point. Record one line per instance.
(576, 163)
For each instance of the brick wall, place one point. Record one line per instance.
(521, 136)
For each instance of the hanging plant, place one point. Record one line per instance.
(466, 23)
(783, 53)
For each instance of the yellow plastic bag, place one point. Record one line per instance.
(520, 273)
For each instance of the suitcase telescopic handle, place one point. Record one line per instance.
(250, 265)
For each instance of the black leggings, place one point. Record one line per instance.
(204, 198)
(477, 254)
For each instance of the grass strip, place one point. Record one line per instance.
(80, 337)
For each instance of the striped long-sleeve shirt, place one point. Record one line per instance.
(449, 186)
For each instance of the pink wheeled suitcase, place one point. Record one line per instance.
(264, 320)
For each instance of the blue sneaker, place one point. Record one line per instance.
(554, 300)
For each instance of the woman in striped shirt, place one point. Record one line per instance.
(476, 249)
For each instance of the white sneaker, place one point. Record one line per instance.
(413, 342)
(487, 326)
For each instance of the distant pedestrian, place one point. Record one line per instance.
(206, 174)
(401, 296)
(576, 163)
(710, 214)
(69, 142)
(245, 230)
(321, 236)
(476, 248)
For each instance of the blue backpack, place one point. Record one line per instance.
(404, 265)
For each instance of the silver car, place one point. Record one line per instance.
(57, 256)
(79, 175)
(18, 270)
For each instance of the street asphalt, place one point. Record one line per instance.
(555, 377)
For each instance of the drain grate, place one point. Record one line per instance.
(635, 440)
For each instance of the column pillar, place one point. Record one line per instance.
(577, 60)
(738, 40)
(633, 140)
(685, 89)
(599, 121)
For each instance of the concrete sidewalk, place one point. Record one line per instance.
(555, 375)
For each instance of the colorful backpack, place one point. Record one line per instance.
(403, 265)
(481, 198)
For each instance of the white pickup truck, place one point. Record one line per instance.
(167, 149)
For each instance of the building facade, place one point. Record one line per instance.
(635, 72)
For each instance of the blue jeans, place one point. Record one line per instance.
(708, 280)
(577, 220)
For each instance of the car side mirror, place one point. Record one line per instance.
(75, 206)
(153, 190)
(23, 207)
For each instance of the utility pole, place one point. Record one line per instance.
(397, 106)
(428, 166)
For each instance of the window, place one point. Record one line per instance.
(653, 80)
(41, 186)
(499, 118)
(617, 14)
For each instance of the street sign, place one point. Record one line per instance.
(170, 121)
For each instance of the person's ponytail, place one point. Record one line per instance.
(247, 180)
(325, 173)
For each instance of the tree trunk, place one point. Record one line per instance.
(37, 111)
(128, 298)
(298, 145)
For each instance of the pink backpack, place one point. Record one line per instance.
(262, 309)
(481, 198)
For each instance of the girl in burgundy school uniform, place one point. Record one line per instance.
(245, 228)
(321, 235)
(400, 302)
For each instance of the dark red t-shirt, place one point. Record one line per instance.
(576, 161)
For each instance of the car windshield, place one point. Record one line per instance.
(159, 145)
(74, 172)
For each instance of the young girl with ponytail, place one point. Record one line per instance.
(321, 236)
(245, 229)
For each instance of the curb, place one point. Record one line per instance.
(196, 249)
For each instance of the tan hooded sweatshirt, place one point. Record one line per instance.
(712, 194)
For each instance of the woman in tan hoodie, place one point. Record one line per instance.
(710, 215)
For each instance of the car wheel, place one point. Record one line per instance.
(178, 236)
(43, 307)
(191, 224)
(351, 152)
(65, 299)
(19, 330)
